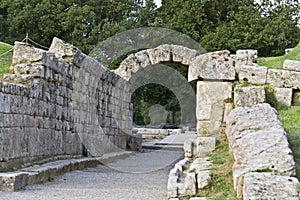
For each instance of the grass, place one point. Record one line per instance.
(6, 59)
(221, 187)
(290, 118)
(277, 62)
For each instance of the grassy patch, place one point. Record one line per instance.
(6, 59)
(291, 122)
(277, 62)
(221, 187)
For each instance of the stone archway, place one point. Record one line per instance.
(213, 72)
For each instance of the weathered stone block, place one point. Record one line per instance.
(292, 65)
(283, 78)
(205, 145)
(203, 179)
(183, 55)
(258, 142)
(253, 74)
(143, 58)
(190, 183)
(189, 148)
(249, 96)
(201, 164)
(284, 95)
(62, 49)
(212, 66)
(270, 186)
(245, 57)
(210, 104)
(160, 54)
(11, 182)
(25, 53)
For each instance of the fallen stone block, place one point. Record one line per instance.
(249, 96)
(258, 143)
(270, 186)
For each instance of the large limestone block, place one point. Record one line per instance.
(249, 96)
(212, 66)
(245, 57)
(62, 49)
(25, 53)
(183, 55)
(253, 74)
(284, 95)
(208, 95)
(292, 65)
(283, 78)
(210, 105)
(258, 142)
(270, 186)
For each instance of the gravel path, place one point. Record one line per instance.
(142, 176)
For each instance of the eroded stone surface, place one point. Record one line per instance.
(245, 57)
(270, 186)
(62, 49)
(249, 96)
(253, 74)
(283, 78)
(205, 145)
(210, 105)
(284, 95)
(292, 65)
(25, 53)
(258, 142)
(212, 66)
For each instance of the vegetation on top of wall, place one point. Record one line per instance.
(5, 57)
(277, 62)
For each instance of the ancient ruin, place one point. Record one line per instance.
(62, 103)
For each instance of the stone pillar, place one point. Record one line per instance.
(210, 109)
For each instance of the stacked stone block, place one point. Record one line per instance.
(72, 106)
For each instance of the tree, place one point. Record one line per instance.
(268, 29)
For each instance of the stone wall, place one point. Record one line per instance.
(263, 159)
(60, 103)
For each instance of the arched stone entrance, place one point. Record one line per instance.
(213, 72)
